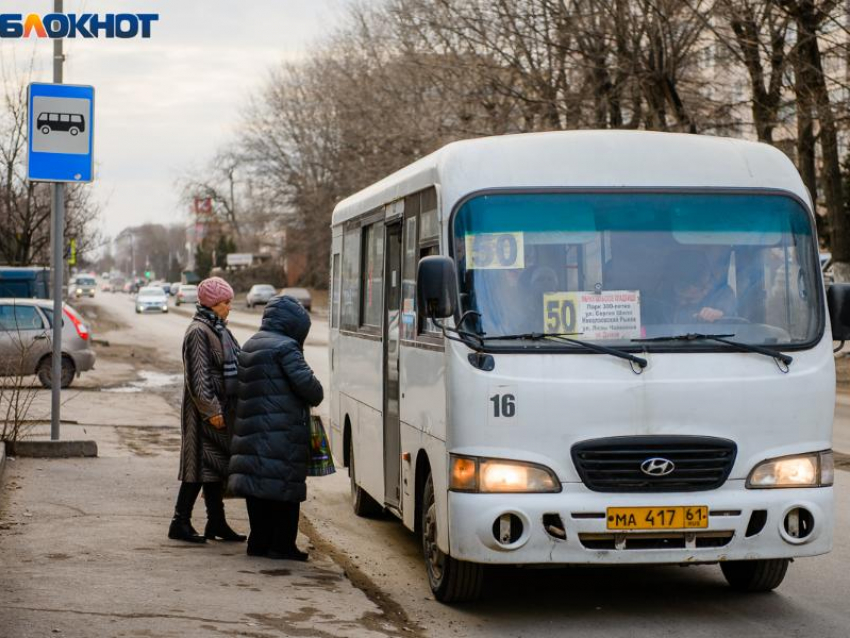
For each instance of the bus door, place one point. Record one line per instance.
(392, 300)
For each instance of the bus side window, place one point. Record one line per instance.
(350, 279)
(408, 269)
(336, 293)
(372, 286)
(429, 238)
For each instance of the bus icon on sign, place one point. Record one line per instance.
(73, 123)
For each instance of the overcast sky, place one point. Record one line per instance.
(164, 105)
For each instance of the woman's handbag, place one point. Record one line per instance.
(320, 462)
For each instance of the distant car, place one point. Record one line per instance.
(301, 294)
(116, 284)
(174, 288)
(151, 299)
(82, 286)
(25, 343)
(127, 287)
(259, 293)
(186, 294)
(105, 287)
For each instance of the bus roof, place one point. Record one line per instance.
(584, 159)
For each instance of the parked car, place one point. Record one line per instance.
(174, 288)
(82, 286)
(259, 293)
(186, 294)
(25, 343)
(301, 294)
(29, 283)
(151, 299)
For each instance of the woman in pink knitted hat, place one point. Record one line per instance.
(209, 409)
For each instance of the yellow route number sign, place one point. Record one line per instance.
(611, 314)
(495, 251)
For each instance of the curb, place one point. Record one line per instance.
(2, 458)
(56, 449)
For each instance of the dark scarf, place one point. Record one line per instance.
(228, 346)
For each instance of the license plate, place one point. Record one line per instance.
(629, 518)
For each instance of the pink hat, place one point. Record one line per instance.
(213, 291)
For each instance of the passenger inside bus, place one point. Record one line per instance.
(689, 292)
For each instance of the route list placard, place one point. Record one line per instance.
(612, 315)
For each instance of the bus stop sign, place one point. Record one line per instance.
(61, 133)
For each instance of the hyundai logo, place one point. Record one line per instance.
(657, 466)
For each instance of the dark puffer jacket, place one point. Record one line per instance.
(276, 387)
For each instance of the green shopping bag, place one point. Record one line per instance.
(320, 462)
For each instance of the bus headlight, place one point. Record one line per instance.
(475, 474)
(816, 469)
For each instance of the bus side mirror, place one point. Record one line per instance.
(838, 301)
(437, 286)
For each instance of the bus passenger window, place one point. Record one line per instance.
(350, 279)
(372, 287)
(408, 279)
(336, 293)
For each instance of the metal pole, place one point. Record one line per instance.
(58, 232)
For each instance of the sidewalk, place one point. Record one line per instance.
(84, 553)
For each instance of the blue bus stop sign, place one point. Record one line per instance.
(61, 133)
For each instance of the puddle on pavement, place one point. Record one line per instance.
(150, 441)
(150, 380)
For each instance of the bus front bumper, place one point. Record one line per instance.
(743, 524)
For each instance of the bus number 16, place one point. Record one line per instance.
(503, 405)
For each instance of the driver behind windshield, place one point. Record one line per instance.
(690, 293)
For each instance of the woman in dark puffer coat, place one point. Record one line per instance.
(271, 435)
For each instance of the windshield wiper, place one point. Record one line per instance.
(722, 338)
(565, 336)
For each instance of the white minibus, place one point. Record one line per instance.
(588, 348)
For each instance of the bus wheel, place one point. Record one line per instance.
(74, 131)
(451, 580)
(45, 130)
(755, 575)
(362, 504)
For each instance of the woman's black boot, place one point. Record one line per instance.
(181, 525)
(217, 526)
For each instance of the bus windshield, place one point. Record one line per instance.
(612, 268)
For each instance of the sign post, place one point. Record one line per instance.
(60, 126)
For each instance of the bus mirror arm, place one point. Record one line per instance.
(469, 339)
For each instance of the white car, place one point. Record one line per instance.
(259, 293)
(186, 294)
(151, 299)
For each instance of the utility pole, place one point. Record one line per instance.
(58, 220)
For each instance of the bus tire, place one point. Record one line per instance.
(755, 575)
(451, 580)
(362, 504)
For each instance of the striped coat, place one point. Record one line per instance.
(204, 450)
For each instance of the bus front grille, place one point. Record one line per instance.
(630, 463)
(668, 540)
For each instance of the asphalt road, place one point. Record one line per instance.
(382, 556)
